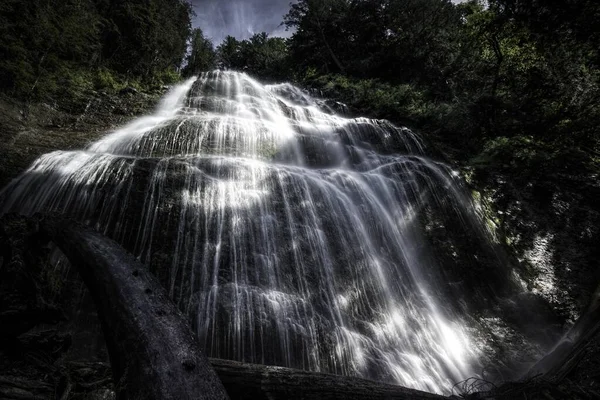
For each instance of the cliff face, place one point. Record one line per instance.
(51, 341)
(550, 223)
(30, 130)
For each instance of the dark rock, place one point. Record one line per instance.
(26, 295)
(25, 134)
(128, 90)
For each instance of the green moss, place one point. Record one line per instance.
(401, 102)
(168, 77)
(104, 79)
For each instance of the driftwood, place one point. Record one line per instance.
(153, 352)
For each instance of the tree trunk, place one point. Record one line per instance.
(260, 382)
(335, 59)
(153, 352)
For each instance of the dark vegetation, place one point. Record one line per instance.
(60, 48)
(510, 82)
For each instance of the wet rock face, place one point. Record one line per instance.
(26, 288)
(49, 332)
(150, 195)
(551, 224)
(30, 130)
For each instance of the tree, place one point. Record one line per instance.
(41, 40)
(229, 54)
(143, 37)
(263, 56)
(522, 77)
(320, 32)
(396, 40)
(420, 40)
(202, 56)
(48, 46)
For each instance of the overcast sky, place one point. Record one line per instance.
(241, 18)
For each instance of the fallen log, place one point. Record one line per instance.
(571, 348)
(260, 382)
(242, 382)
(153, 352)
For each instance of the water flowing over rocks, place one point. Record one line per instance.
(292, 236)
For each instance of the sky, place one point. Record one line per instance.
(242, 18)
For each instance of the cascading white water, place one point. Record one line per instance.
(290, 235)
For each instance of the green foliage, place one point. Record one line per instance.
(202, 56)
(373, 97)
(168, 76)
(397, 41)
(41, 39)
(49, 47)
(229, 54)
(143, 37)
(513, 152)
(474, 74)
(262, 56)
(105, 79)
(321, 33)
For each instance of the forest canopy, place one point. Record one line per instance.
(51, 45)
(487, 78)
(503, 79)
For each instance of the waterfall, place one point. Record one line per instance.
(289, 234)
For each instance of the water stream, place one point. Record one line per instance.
(289, 234)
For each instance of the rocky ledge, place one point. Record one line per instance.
(32, 129)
